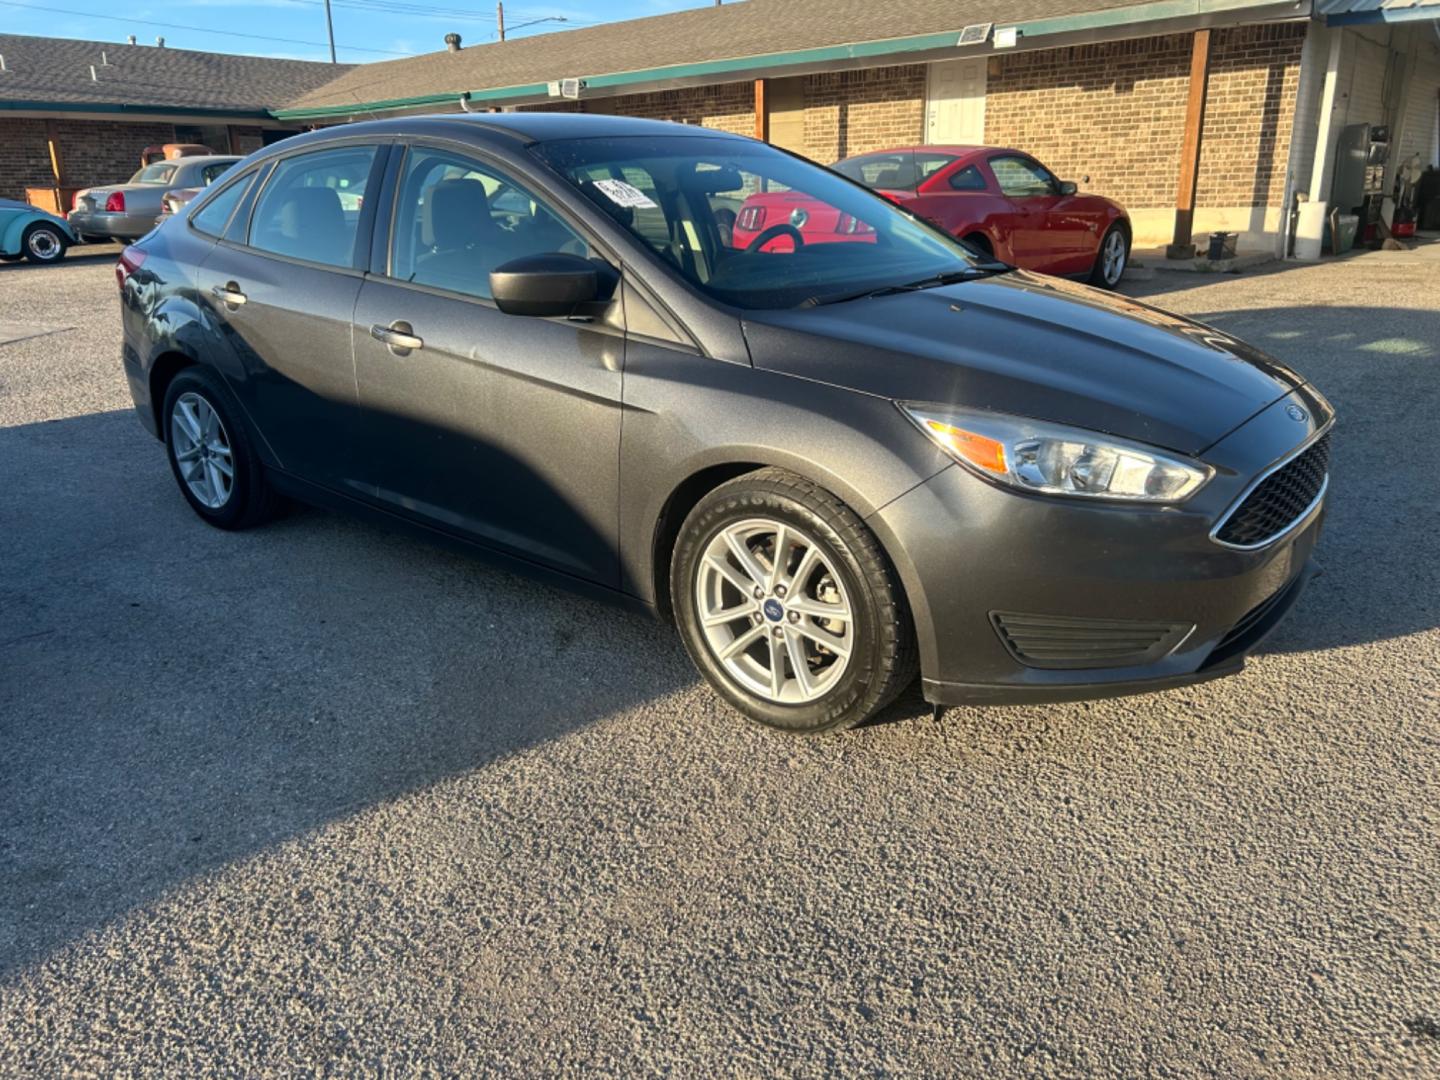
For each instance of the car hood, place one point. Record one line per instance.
(1033, 346)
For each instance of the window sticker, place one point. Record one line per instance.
(623, 194)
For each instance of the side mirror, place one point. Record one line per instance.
(552, 285)
(1068, 187)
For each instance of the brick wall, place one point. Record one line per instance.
(1254, 77)
(93, 152)
(1116, 112)
(1112, 111)
(853, 112)
(25, 160)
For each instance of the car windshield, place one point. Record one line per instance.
(900, 170)
(158, 173)
(752, 226)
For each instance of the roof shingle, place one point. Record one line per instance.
(57, 70)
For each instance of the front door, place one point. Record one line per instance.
(955, 103)
(501, 428)
(283, 294)
(1031, 193)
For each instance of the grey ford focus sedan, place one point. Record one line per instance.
(835, 466)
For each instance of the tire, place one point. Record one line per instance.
(847, 570)
(1110, 265)
(43, 243)
(247, 500)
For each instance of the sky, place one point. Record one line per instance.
(295, 29)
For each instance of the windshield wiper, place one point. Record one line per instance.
(947, 277)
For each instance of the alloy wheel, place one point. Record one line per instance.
(773, 611)
(1112, 264)
(202, 450)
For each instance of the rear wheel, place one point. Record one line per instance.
(211, 453)
(1111, 258)
(43, 243)
(788, 606)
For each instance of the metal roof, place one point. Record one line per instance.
(1343, 12)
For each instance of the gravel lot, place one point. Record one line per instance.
(318, 798)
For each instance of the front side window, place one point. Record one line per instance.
(749, 225)
(211, 218)
(1022, 178)
(457, 219)
(310, 208)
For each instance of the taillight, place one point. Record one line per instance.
(115, 204)
(849, 226)
(750, 218)
(131, 259)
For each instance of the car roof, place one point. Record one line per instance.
(527, 127)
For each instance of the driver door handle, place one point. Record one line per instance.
(229, 293)
(399, 337)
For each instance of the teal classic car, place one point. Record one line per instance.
(27, 232)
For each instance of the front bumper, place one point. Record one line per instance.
(100, 223)
(969, 551)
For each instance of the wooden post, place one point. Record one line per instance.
(1182, 246)
(762, 112)
(57, 166)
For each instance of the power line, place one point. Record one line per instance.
(197, 29)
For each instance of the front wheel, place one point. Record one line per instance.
(789, 607)
(1111, 258)
(43, 243)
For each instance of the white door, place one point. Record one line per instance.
(955, 102)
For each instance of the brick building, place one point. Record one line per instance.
(1204, 115)
(77, 113)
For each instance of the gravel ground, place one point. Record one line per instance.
(318, 798)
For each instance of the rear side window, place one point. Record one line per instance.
(968, 179)
(211, 218)
(310, 208)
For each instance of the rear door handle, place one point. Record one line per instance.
(399, 336)
(230, 293)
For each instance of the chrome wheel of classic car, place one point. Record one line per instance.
(43, 243)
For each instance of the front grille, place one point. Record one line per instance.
(1279, 500)
(1061, 641)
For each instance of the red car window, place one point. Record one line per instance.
(967, 179)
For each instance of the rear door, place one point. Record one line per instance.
(501, 428)
(281, 287)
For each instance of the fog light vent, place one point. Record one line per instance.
(1061, 641)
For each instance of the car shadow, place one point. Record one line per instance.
(174, 697)
(82, 254)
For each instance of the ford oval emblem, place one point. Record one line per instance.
(773, 611)
(1296, 413)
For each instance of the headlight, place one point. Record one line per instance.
(1051, 459)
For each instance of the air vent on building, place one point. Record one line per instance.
(975, 34)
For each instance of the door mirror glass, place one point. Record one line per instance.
(551, 285)
(1067, 187)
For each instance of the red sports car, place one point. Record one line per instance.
(1000, 201)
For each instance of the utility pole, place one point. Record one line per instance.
(499, 16)
(330, 26)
